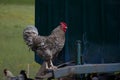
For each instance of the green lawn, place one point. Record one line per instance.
(14, 54)
(26, 2)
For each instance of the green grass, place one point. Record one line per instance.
(14, 54)
(26, 2)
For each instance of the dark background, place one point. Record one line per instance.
(94, 22)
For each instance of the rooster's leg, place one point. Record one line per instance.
(51, 66)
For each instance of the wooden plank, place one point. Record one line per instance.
(86, 68)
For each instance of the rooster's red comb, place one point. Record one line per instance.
(63, 24)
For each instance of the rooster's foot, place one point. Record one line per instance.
(50, 69)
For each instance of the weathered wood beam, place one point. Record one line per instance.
(86, 68)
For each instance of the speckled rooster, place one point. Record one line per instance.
(46, 47)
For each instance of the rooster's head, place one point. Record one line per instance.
(63, 26)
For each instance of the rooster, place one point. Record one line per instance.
(46, 47)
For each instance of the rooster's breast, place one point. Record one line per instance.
(56, 43)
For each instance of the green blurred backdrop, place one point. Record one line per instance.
(15, 15)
